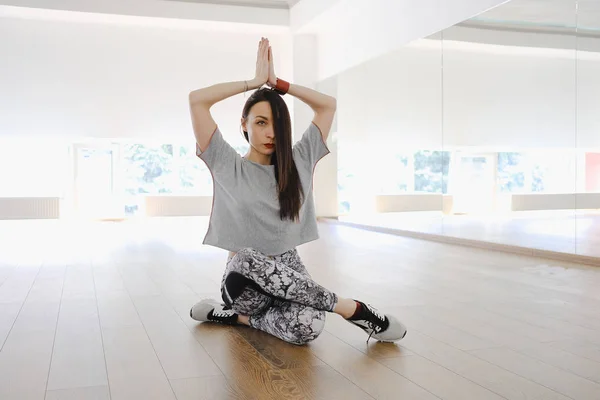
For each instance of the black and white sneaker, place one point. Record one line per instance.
(385, 328)
(212, 311)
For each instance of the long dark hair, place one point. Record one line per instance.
(288, 181)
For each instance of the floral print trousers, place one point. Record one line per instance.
(277, 294)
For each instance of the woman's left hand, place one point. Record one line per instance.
(272, 81)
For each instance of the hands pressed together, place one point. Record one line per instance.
(265, 69)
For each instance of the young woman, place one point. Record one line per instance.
(263, 209)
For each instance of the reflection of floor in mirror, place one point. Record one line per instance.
(559, 231)
(101, 311)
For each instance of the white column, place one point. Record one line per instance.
(306, 74)
(326, 173)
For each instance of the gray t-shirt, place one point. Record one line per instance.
(245, 210)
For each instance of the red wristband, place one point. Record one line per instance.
(282, 86)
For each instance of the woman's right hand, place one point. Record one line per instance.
(262, 63)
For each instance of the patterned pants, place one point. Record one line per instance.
(278, 295)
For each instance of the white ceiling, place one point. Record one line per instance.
(585, 14)
(284, 4)
(184, 14)
(581, 14)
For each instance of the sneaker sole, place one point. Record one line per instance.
(393, 341)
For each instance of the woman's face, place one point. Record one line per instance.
(259, 126)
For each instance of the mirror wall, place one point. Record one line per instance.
(588, 128)
(390, 141)
(487, 131)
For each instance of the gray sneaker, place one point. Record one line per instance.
(385, 328)
(209, 310)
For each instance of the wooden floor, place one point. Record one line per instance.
(555, 231)
(101, 311)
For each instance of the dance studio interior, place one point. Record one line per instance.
(461, 194)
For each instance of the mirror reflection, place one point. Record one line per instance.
(509, 153)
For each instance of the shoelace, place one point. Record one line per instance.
(371, 324)
(222, 313)
(372, 331)
(376, 312)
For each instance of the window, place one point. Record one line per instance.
(423, 171)
(548, 171)
(149, 169)
(391, 171)
(348, 179)
(194, 176)
(512, 168)
(431, 171)
(553, 172)
(166, 169)
(394, 173)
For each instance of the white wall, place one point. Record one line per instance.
(394, 98)
(509, 100)
(493, 96)
(543, 93)
(407, 86)
(352, 32)
(588, 103)
(306, 65)
(74, 79)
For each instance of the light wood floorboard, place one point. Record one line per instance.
(101, 311)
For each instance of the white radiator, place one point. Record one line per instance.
(566, 201)
(29, 208)
(413, 202)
